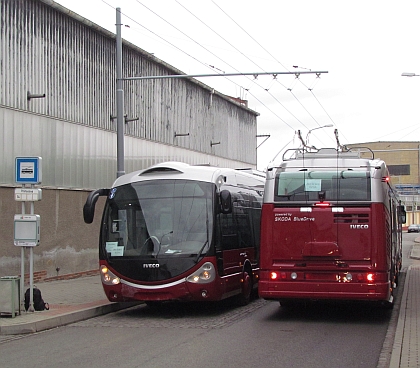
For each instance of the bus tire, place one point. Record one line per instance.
(389, 304)
(247, 286)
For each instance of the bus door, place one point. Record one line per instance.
(236, 244)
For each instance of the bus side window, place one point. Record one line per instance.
(242, 215)
(229, 235)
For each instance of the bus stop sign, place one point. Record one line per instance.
(28, 170)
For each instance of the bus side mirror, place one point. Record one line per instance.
(89, 207)
(225, 202)
(402, 214)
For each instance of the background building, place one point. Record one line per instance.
(57, 101)
(403, 161)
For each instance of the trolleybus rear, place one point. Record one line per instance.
(331, 229)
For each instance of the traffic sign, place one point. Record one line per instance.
(28, 170)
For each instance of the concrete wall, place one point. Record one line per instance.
(66, 243)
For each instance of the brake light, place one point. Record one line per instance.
(274, 275)
(322, 204)
(370, 277)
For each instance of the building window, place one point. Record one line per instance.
(396, 170)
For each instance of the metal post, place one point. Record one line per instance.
(31, 270)
(22, 270)
(120, 99)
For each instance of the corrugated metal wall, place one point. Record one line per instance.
(44, 50)
(76, 156)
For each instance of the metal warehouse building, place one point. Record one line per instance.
(57, 101)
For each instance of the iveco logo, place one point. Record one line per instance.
(359, 226)
(150, 265)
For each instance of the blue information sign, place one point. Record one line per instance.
(28, 170)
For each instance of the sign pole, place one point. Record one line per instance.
(22, 270)
(31, 269)
(28, 170)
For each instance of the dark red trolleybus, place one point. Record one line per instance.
(180, 232)
(330, 229)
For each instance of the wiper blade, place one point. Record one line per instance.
(201, 251)
(288, 196)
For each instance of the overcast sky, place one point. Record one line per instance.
(364, 45)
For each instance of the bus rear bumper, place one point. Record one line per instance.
(324, 290)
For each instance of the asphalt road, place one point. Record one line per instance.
(261, 334)
(258, 335)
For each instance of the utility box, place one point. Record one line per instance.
(9, 296)
(26, 230)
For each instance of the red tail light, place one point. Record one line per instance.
(367, 277)
(370, 277)
(322, 204)
(276, 275)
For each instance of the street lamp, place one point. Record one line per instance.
(324, 126)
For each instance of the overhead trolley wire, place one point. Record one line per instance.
(274, 58)
(230, 44)
(275, 79)
(261, 102)
(213, 68)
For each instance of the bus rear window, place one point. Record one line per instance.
(343, 185)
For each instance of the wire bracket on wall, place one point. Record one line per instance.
(266, 136)
(127, 120)
(213, 143)
(181, 134)
(30, 95)
(113, 117)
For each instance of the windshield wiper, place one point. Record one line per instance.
(160, 242)
(201, 251)
(288, 196)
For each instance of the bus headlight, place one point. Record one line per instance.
(108, 278)
(205, 274)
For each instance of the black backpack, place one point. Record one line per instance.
(39, 304)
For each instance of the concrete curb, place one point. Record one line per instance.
(399, 333)
(47, 323)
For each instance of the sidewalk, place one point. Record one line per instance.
(70, 301)
(406, 348)
(79, 299)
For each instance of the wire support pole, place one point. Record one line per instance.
(255, 75)
(120, 98)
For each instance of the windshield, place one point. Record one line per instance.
(346, 185)
(158, 219)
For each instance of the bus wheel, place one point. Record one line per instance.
(245, 296)
(389, 304)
